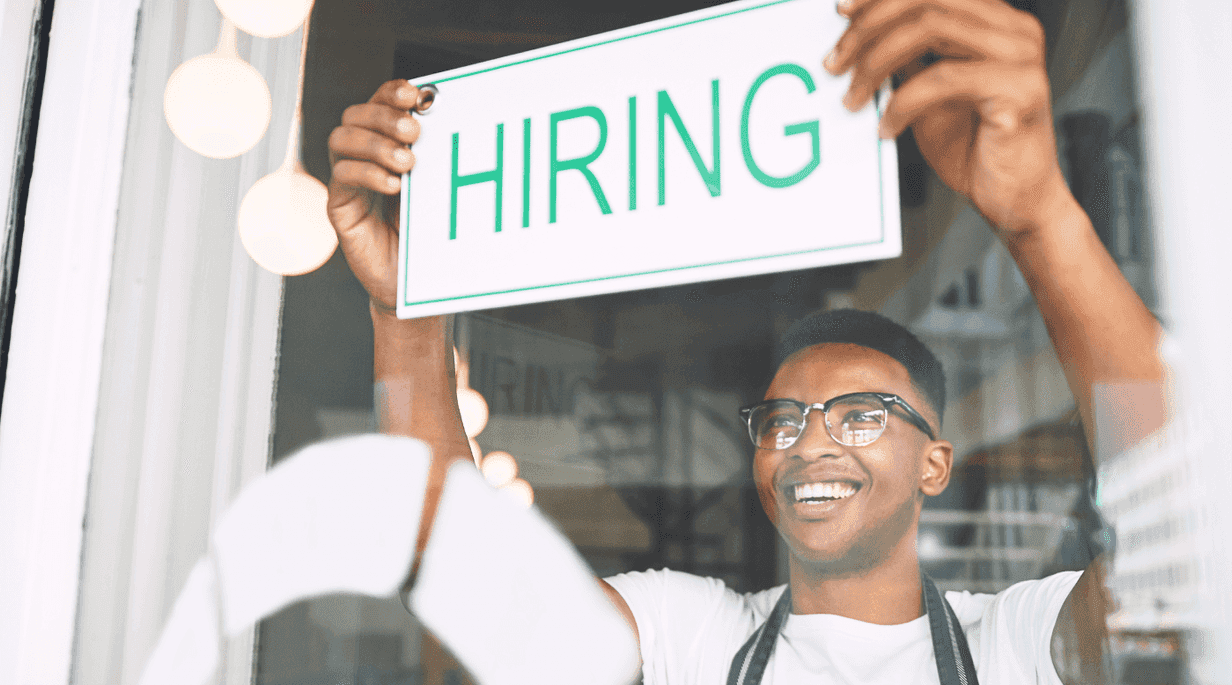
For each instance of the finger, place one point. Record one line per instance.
(876, 18)
(940, 35)
(367, 145)
(394, 123)
(870, 12)
(1008, 97)
(360, 174)
(398, 93)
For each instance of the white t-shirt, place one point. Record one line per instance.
(690, 628)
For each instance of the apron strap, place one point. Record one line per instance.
(950, 649)
(953, 655)
(749, 664)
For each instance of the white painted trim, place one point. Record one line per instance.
(51, 394)
(16, 29)
(186, 395)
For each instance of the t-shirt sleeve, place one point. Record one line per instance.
(1017, 624)
(676, 613)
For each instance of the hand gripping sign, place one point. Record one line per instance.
(704, 146)
(498, 584)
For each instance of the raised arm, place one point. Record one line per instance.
(415, 386)
(413, 369)
(976, 95)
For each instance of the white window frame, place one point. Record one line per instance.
(51, 392)
(128, 423)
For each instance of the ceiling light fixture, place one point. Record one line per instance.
(266, 18)
(283, 222)
(217, 104)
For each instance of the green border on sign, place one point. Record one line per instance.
(405, 209)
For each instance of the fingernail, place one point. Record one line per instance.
(849, 100)
(405, 93)
(830, 61)
(405, 125)
(394, 182)
(402, 156)
(843, 7)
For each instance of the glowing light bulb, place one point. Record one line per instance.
(474, 411)
(499, 469)
(217, 104)
(265, 18)
(283, 223)
(929, 546)
(461, 370)
(521, 491)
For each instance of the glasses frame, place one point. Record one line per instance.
(889, 400)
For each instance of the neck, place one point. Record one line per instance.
(886, 594)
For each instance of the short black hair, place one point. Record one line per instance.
(876, 332)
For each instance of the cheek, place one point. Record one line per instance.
(898, 473)
(764, 467)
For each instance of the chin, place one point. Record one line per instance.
(836, 557)
(842, 550)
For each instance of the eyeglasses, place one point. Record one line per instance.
(855, 419)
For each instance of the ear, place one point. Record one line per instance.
(938, 460)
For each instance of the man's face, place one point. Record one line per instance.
(857, 532)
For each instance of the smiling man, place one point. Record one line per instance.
(848, 437)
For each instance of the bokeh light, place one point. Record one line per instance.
(217, 104)
(474, 411)
(265, 18)
(499, 469)
(283, 223)
(521, 491)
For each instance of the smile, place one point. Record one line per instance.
(827, 491)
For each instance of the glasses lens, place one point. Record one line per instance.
(775, 426)
(857, 420)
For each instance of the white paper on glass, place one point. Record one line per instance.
(187, 651)
(339, 516)
(635, 218)
(510, 597)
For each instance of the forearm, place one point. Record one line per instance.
(416, 395)
(1102, 331)
(416, 390)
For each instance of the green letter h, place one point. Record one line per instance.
(496, 175)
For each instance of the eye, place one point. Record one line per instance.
(864, 417)
(781, 421)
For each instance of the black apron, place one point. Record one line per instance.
(954, 664)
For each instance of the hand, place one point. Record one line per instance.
(980, 112)
(368, 153)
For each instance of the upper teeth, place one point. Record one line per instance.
(831, 490)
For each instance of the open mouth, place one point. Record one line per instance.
(827, 491)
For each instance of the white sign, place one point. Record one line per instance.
(704, 146)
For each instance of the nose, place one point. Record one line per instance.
(816, 442)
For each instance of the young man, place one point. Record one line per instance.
(842, 479)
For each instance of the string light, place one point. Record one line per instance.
(265, 18)
(474, 411)
(499, 469)
(521, 491)
(217, 104)
(283, 222)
